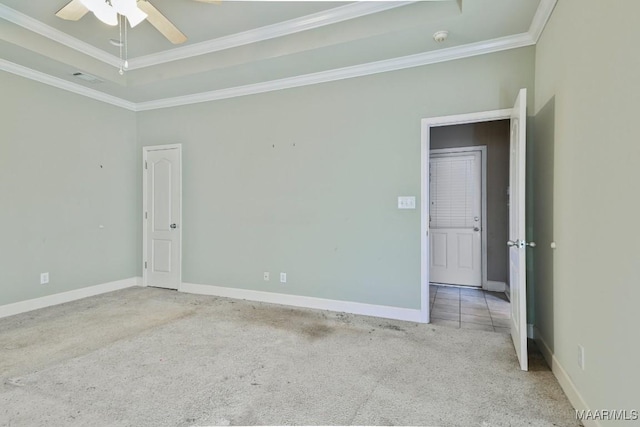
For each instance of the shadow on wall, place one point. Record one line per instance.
(541, 176)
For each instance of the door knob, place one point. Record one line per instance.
(476, 229)
(521, 244)
(173, 226)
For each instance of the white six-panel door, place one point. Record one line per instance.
(455, 218)
(162, 222)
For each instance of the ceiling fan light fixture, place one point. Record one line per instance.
(136, 17)
(102, 11)
(130, 10)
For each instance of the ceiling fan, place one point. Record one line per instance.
(136, 11)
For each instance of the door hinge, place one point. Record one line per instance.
(145, 264)
(146, 216)
(145, 165)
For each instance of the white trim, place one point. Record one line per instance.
(425, 147)
(145, 154)
(292, 26)
(494, 286)
(426, 125)
(51, 33)
(569, 388)
(540, 19)
(543, 13)
(388, 312)
(483, 199)
(63, 297)
(410, 61)
(394, 64)
(47, 79)
(460, 119)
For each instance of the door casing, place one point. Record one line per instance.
(427, 124)
(145, 154)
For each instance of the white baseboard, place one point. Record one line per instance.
(495, 286)
(61, 298)
(397, 313)
(563, 379)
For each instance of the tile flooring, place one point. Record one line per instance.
(469, 308)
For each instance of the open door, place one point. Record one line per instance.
(517, 239)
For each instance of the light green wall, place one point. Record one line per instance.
(54, 194)
(305, 181)
(587, 100)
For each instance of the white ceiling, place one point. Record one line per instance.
(240, 47)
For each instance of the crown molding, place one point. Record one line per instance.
(22, 71)
(417, 60)
(450, 54)
(51, 33)
(292, 26)
(540, 19)
(530, 38)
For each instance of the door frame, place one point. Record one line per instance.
(145, 155)
(426, 125)
(483, 198)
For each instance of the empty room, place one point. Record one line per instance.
(319, 212)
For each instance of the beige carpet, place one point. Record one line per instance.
(150, 357)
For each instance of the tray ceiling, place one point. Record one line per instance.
(255, 44)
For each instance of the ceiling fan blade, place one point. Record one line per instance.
(72, 11)
(161, 23)
(210, 1)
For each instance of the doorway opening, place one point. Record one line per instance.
(517, 243)
(468, 205)
(469, 225)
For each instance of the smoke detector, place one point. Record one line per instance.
(440, 36)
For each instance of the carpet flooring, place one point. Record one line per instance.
(152, 357)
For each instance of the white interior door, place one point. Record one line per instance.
(517, 239)
(455, 218)
(162, 217)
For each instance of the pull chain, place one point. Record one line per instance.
(126, 44)
(121, 70)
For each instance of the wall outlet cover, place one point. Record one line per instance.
(406, 202)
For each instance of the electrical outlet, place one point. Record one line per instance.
(44, 278)
(406, 202)
(581, 357)
(283, 277)
(266, 276)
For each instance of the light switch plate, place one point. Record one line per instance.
(406, 202)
